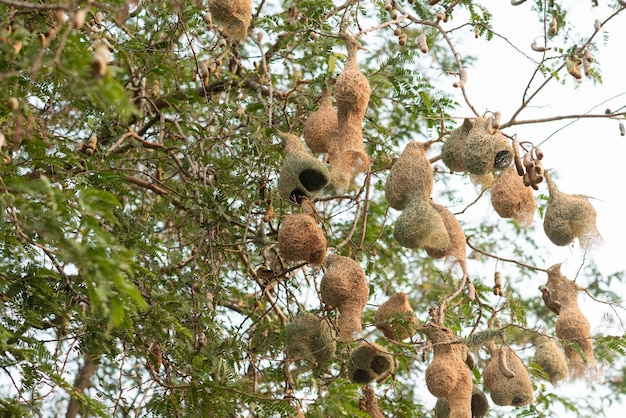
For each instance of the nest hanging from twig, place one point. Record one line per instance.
(300, 238)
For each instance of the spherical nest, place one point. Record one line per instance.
(300, 238)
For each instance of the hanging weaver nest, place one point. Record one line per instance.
(456, 252)
(453, 147)
(321, 125)
(447, 375)
(483, 152)
(344, 286)
(506, 378)
(369, 362)
(301, 238)
(346, 166)
(369, 403)
(302, 175)
(352, 88)
(550, 357)
(410, 176)
(480, 405)
(233, 15)
(309, 338)
(420, 225)
(511, 198)
(572, 327)
(570, 216)
(395, 318)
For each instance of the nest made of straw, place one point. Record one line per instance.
(411, 175)
(300, 238)
(321, 125)
(369, 362)
(346, 166)
(507, 379)
(479, 405)
(309, 338)
(447, 375)
(550, 357)
(456, 252)
(233, 15)
(352, 88)
(572, 327)
(421, 225)
(510, 198)
(344, 286)
(302, 175)
(484, 152)
(570, 216)
(395, 318)
(453, 147)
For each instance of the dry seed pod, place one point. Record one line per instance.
(462, 79)
(510, 198)
(554, 26)
(352, 88)
(572, 327)
(503, 389)
(479, 405)
(320, 125)
(233, 16)
(369, 362)
(302, 175)
(535, 47)
(622, 130)
(420, 225)
(534, 174)
(570, 216)
(550, 357)
(497, 118)
(597, 25)
(447, 375)
(344, 287)
(411, 175)
(100, 60)
(301, 238)
(483, 152)
(90, 148)
(456, 252)
(573, 68)
(453, 147)
(309, 338)
(517, 158)
(395, 318)
(421, 42)
(78, 20)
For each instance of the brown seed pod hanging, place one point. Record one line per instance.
(570, 216)
(549, 356)
(447, 375)
(302, 175)
(344, 286)
(479, 405)
(352, 88)
(309, 338)
(506, 378)
(411, 175)
(233, 16)
(453, 147)
(369, 362)
(320, 125)
(395, 318)
(456, 252)
(420, 225)
(510, 198)
(483, 152)
(572, 327)
(300, 238)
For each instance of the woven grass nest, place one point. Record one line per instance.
(510, 198)
(572, 327)
(344, 286)
(479, 405)
(321, 125)
(570, 216)
(447, 375)
(420, 225)
(352, 88)
(507, 379)
(453, 147)
(395, 318)
(302, 175)
(369, 362)
(456, 252)
(309, 339)
(300, 238)
(233, 16)
(411, 175)
(483, 152)
(550, 357)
